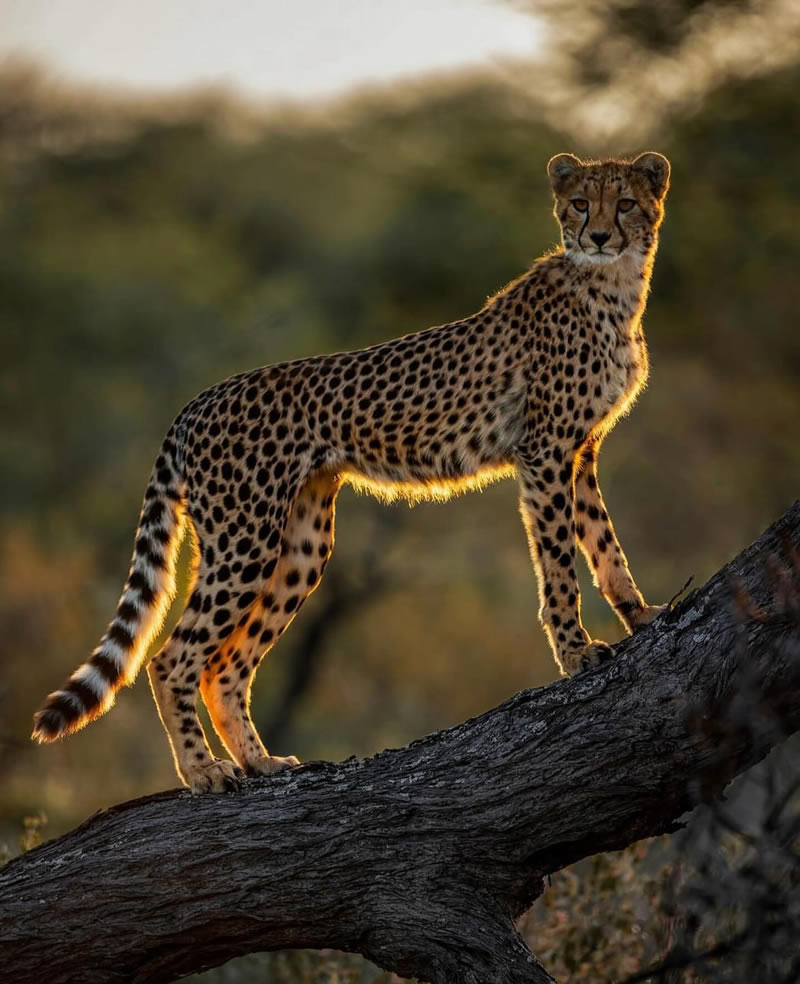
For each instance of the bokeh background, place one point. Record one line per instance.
(186, 193)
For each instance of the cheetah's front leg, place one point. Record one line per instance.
(547, 507)
(602, 550)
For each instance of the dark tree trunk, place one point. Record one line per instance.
(421, 857)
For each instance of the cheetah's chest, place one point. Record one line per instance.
(624, 373)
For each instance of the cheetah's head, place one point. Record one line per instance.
(609, 209)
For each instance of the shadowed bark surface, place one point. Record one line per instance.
(421, 857)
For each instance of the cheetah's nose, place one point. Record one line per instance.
(599, 238)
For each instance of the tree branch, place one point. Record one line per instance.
(421, 857)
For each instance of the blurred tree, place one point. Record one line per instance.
(620, 69)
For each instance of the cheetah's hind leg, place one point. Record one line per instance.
(230, 670)
(174, 674)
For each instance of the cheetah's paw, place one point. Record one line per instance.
(268, 764)
(647, 615)
(218, 776)
(594, 654)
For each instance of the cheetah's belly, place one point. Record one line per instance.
(445, 450)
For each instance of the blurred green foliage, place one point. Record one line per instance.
(137, 270)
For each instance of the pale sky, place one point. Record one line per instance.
(263, 48)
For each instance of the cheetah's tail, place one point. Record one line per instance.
(92, 688)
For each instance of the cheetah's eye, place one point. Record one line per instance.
(625, 204)
(581, 205)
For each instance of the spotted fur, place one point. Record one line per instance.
(530, 385)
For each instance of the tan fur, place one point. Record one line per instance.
(530, 385)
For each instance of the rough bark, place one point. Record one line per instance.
(421, 857)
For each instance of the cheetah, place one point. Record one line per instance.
(528, 386)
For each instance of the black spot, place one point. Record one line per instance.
(120, 635)
(85, 694)
(126, 611)
(106, 666)
(154, 513)
(251, 572)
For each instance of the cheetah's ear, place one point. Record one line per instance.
(562, 169)
(655, 169)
